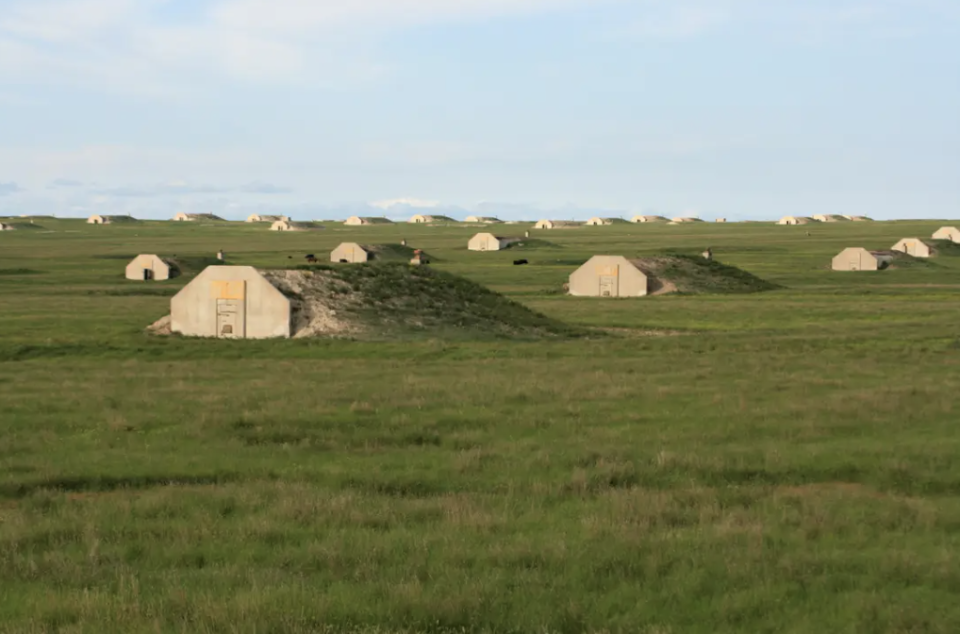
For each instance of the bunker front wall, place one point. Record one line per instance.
(608, 277)
(159, 269)
(254, 308)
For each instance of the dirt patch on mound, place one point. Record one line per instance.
(161, 326)
(313, 297)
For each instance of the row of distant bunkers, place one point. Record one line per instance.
(285, 223)
(226, 301)
(242, 302)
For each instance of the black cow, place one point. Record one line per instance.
(520, 262)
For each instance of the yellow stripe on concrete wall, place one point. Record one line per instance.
(228, 290)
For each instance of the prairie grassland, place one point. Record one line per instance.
(778, 462)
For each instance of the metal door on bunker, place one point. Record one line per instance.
(230, 318)
(608, 286)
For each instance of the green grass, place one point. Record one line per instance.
(782, 461)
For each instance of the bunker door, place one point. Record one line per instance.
(230, 318)
(231, 298)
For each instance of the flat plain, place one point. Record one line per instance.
(783, 461)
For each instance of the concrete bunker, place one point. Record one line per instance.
(558, 224)
(352, 253)
(608, 276)
(148, 267)
(917, 247)
(795, 220)
(421, 219)
(859, 259)
(490, 242)
(947, 233)
(230, 302)
(360, 221)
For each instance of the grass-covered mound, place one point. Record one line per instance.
(945, 247)
(394, 252)
(388, 299)
(694, 275)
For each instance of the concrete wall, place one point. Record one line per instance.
(947, 233)
(159, 270)
(218, 291)
(913, 246)
(486, 242)
(286, 225)
(608, 276)
(349, 252)
(855, 259)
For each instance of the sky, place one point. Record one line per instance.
(318, 109)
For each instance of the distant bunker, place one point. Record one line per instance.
(618, 276)
(859, 259)
(490, 242)
(917, 247)
(365, 301)
(353, 253)
(148, 267)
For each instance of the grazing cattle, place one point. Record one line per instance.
(311, 258)
(520, 262)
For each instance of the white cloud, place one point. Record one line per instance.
(136, 46)
(129, 45)
(405, 202)
(800, 21)
(293, 16)
(9, 188)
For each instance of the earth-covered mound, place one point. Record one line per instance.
(382, 300)
(694, 275)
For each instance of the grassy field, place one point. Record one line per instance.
(775, 462)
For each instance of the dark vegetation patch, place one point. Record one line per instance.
(102, 483)
(20, 272)
(115, 256)
(137, 291)
(532, 244)
(24, 226)
(561, 262)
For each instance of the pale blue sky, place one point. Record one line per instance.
(736, 108)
